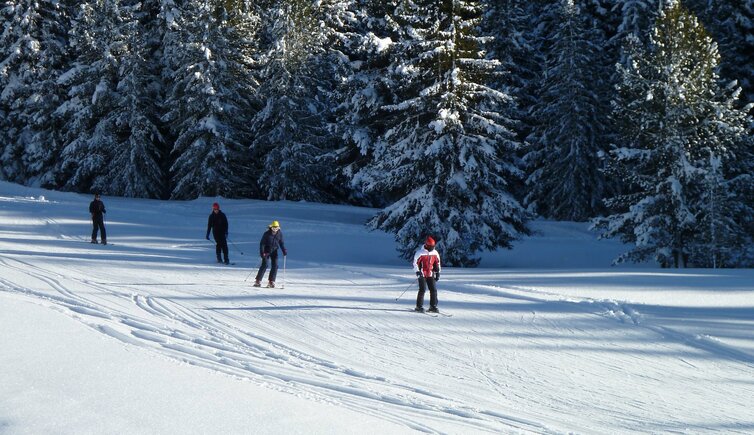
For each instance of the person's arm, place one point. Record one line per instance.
(225, 221)
(417, 256)
(282, 244)
(261, 246)
(209, 226)
(103, 207)
(91, 208)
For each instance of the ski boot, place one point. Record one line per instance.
(257, 283)
(271, 284)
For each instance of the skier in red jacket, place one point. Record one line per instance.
(427, 268)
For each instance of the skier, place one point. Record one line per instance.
(427, 268)
(218, 223)
(272, 239)
(97, 210)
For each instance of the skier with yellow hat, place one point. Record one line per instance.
(272, 240)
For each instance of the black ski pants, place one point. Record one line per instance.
(221, 246)
(98, 223)
(273, 257)
(425, 283)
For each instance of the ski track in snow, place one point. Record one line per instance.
(625, 313)
(289, 340)
(209, 341)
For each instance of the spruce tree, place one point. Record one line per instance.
(90, 135)
(298, 76)
(679, 122)
(33, 53)
(565, 180)
(366, 88)
(210, 99)
(447, 156)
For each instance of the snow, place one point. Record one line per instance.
(148, 335)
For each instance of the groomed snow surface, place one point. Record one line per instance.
(150, 335)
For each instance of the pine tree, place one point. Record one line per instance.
(678, 122)
(366, 88)
(448, 155)
(514, 42)
(90, 136)
(33, 52)
(136, 168)
(565, 180)
(299, 72)
(210, 98)
(732, 22)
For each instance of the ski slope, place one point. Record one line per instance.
(149, 335)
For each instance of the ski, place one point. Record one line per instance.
(424, 312)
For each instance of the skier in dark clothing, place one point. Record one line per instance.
(427, 268)
(218, 223)
(97, 210)
(272, 239)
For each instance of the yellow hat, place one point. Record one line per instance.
(274, 224)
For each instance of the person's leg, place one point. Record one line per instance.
(274, 266)
(262, 269)
(102, 233)
(95, 227)
(222, 248)
(420, 295)
(432, 293)
(218, 250)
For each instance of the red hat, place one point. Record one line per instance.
(430, 241)
(216, 206)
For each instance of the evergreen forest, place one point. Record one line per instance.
(460, 119)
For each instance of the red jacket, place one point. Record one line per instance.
(426, 261)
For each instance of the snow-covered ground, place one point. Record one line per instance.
(149, 335)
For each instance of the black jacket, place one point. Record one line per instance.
(97, 208)
(218, 223)
(271, 242)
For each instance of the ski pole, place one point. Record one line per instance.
(284, 257)
(252, 271)
(234, 245)
(404, 292)
(249, 275)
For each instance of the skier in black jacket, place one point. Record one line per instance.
(272, 240)
(97, 210)
(218, 223)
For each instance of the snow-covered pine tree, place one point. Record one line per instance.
(448, 155)
(33, 52)
(565, 180)
(136, 168)
(636, 17)
(299, 74)
(674, 115)
(512, 26)
(90, 136)
(364, 91)
(208, 52)
(732, 22)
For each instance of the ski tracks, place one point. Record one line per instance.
(184, 333)
(628, 314)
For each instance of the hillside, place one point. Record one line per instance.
(149, 335)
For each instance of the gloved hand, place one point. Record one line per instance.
(265, 254)
(437, 276)
(418, 274)
(285, 252)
